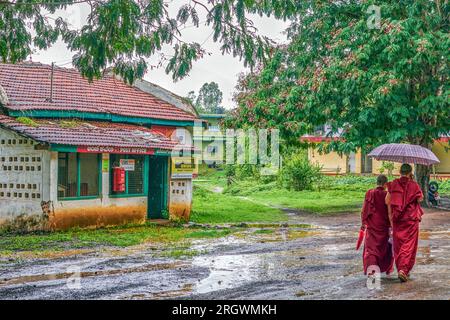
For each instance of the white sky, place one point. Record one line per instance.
(222, 69)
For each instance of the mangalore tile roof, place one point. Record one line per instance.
(28, 84)
(88, 133)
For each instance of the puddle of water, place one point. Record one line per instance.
(335, 249)
(205, 245)
(227, 271)
(430, 235)
(297, 234)
(66, 275)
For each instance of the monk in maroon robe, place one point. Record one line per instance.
(403, 200)
(375, 219)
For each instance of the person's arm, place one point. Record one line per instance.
(388, 203)
(364, 211)
(420, 193)
(420, 198)
(363, 225)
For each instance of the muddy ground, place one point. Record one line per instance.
(284, 262)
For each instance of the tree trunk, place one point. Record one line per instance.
(422, 174)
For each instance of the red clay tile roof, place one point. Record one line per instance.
(89, 133)
(27, 86)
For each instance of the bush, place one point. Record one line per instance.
(298, 173)
(245, 171)
(230, 171)
(389, 166)
(348, 182)
(444, 187)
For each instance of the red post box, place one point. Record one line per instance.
(118, 179)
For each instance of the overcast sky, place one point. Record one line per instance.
(222, 69)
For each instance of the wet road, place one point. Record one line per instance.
(266, 262)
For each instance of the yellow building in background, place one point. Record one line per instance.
(358, 163)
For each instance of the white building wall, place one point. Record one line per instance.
(180, 199)
(24, 176)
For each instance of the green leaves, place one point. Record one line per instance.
(183, 14)
(209, 98)
(15, 39)
(123, 33)
(181, 62)
(380, 85)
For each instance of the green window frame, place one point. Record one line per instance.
(77, 195)
(113, 161)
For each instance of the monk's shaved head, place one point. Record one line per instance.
(382, 180)
(405, 169)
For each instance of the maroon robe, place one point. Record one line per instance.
(377, 249)
(406, 216)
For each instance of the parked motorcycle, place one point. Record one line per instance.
(433, 194)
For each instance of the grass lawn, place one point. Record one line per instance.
(210, 207)
(122, 236)
(211, 178)
(322, 202)
(332, 195)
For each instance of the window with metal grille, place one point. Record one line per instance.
(78, 175)
(134, 179)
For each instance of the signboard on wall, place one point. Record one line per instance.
(117, 150)
(128, 164)
(183, 167)
(105, 162)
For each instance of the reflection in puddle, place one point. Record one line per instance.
(427, 234)
(227, 271)
(84, 274)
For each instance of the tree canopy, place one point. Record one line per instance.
(371, 81)
(374, 71)
(209, 98)
(123, 33)
(386, 84)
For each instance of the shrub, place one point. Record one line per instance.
(230, 171)
(348, 182)
(389, 166)
(298, 173)
(245, 171)
(444, 187)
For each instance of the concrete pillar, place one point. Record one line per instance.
(53, 177)
(105, 179)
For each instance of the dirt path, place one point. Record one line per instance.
(295, 262)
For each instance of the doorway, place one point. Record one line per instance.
(366, 163)
(351, 164)
(157, 187)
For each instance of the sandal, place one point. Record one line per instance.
(402, 276)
